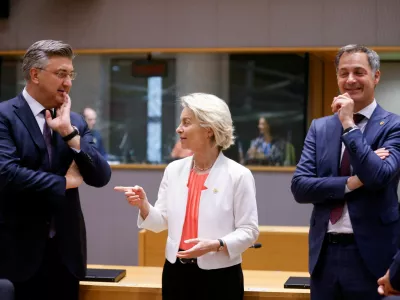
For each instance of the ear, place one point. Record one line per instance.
(210, 132)
(377, 77)
(34, 74)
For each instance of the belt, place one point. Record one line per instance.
(340, 238)
(190, 261)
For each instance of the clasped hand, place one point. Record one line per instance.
(344, 106)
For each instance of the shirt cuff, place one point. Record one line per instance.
(76, 150)
(347, 190)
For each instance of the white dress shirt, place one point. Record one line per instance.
(343, 225)
(36, 109)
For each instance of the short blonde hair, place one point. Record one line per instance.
(212, 112)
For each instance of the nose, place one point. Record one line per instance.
(179, 129)
(67, 82)
(351, 78)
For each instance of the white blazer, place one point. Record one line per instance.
(227, 210)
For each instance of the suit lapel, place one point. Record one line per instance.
(334, 143)
(374, 124)
(25, 114)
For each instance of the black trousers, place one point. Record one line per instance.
(188, 281)
(53, 281)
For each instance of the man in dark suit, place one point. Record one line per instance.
(90, 116)
(349, 170)
(46, 152)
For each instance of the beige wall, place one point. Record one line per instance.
(209, 23)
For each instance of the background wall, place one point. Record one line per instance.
(209, 23)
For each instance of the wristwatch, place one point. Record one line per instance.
(221, 245)
(73, 134)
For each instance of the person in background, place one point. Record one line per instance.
(269, 150)
(208, 204)
(90, 116)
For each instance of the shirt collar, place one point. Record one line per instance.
(35, 106)
(368, 110)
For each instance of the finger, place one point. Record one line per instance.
(48, 116)
(134, 202)
(382, 153)
(67, 101)
(129, 194)
(133, 198)
(193, 241)
(122, 188)
(185, 252)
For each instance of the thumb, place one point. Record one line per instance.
(381, 290)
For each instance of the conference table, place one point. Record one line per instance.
(144, 283)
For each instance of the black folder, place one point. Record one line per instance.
(297, 283)
(105, 275)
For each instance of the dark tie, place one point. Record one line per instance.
(47, 137)
(345, 170)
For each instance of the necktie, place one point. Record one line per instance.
(345, 170)
(47, 139)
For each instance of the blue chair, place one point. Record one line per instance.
(6, 290)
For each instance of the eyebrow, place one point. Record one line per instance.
(355, 68)
(64, 70)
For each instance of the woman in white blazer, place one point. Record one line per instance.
(208, 204)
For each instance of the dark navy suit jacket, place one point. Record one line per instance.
(33, 191)
(373, 208)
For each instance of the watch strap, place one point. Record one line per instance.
(348, 129)
(70, 136)
(221, 245)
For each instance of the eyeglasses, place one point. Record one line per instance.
(62, 74)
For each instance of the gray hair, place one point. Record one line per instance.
(373, 57)
(212, 112)
(38, 54)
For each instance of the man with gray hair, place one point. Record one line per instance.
(349, 170)
(46, 152)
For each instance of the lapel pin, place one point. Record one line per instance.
(381, 123)
(215, 191)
